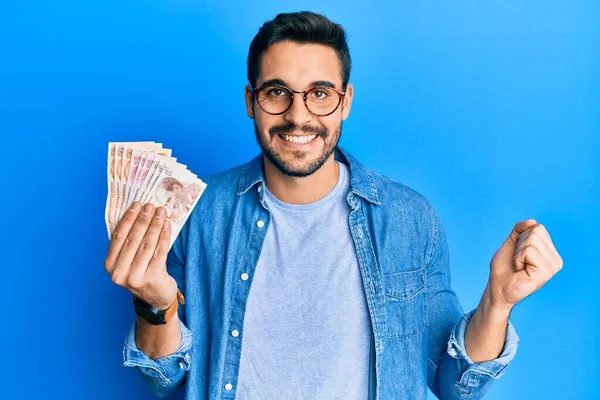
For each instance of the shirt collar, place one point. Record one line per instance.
(361, 178)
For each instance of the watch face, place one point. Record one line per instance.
(148, 316)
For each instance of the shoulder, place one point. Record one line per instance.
(406, 212)
(394, 194)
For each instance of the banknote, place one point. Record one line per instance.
(141, 161)
(177, 190)
(115, 167)
(124, 171)
(146, 172)
(111, 187)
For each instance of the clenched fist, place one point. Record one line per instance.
(523, 264)
(137, 255)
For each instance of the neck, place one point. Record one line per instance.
(304, 190)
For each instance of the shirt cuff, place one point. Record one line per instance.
(165, 370)
(494, 368)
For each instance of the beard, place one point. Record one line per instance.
(306, 167)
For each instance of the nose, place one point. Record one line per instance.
(298, 114)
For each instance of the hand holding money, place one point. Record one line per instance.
(150, 197)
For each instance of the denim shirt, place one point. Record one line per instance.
(417, 320)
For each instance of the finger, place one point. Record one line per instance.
(535, 263)
(537, 242)
(518, 229)
(119, 235)
(159, 258)
(545, 231)
(538, 236)
(131, 244)
(528, 255)
(146, 249)
(550, 244)
(524, 236)
(525, 225)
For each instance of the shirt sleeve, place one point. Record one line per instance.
(474, 375)
(451, 373)
(164, 375)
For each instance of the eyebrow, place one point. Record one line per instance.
(281, 82)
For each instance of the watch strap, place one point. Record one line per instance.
(170, 311)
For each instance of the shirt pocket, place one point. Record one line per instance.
(405, 302)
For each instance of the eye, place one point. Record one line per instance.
(275, 92)
(319, 93)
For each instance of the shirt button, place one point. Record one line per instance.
(260, 223)
(181, 365)
(235, 333)
(259, 189)
(244, 276)
(453, 352)
(229, 386)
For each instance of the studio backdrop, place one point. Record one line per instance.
(491, 110)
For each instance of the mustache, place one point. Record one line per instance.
(291, 127)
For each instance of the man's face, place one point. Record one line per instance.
(299, 66)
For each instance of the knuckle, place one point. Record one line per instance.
(117, 235)
(134, 282)
(157, 257)
(129, 241)
(118, 280)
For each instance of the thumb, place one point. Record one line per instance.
(519, 228)
(503, 260)
(508, 248)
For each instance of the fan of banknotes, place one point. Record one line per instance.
(145, 172)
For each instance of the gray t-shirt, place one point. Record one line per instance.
(307, 333)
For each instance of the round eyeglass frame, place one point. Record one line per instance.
(304, 94)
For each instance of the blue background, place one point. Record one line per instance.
(489, 109)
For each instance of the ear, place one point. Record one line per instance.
(249, 101)
(347, 102)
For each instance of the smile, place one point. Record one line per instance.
(298, 139)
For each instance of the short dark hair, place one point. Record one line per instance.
(300, 27)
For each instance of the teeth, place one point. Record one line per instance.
(299, 139)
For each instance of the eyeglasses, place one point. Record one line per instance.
(320, 101)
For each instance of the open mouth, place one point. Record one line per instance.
(300, 140)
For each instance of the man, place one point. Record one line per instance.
(306, 275)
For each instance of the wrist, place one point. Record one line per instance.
(163, 307)
(154, 315)
(159, 306)
(492, 311)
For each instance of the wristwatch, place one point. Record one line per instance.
(154, 316)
